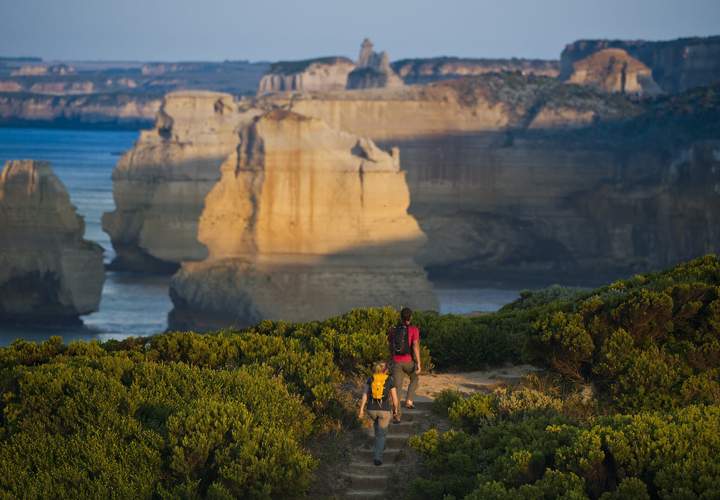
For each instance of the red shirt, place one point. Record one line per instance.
(413, 335)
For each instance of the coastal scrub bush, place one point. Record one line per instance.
(652, 341)
(95, 424)
(538, 452)
(648, 347)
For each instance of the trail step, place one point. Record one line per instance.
(389, 455)
(366, 482)
(367, 467)
(360, 494)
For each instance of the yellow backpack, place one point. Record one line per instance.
(378, 385)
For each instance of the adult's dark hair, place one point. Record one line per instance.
(405, 314)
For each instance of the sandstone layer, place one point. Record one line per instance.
(614, 70)
(327, 73)
(306, 222)
(48, 272)
(677, 65)
(159, 185)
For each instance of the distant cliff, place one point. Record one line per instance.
(129, 111)
(419, 71)
(326, 73)
(676, 65)
(48, 272)
(109, 94)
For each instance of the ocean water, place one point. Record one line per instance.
(134, 304)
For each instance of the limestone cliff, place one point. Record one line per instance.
(327, 73)
(427, 70)
(485, 103)
(48, 272)
(494, 164)
(677, 65)
(95, 111)
(159, 185)
(373, 70)
(306, 222)
(614, 70)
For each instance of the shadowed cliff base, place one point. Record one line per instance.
(239, 292)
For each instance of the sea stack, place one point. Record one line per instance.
(373, 70)
(48, 272)
(159, 185)
(306, 222)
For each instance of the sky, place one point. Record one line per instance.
(270, 30)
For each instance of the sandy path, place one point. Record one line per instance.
(468, 382)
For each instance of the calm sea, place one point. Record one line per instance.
(133, 304)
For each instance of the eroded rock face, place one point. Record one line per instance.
(493, 161)
(614, 70)
(160, 185)
(373, 70)
(48, 272)
(306, 222)
(313, 75)
(677, 65)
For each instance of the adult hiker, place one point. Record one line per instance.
(404, 340)
(380, 398)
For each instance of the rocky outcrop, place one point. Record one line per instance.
(614, 70)
(677, 65)
(306, 222)
(421, 71)
(92, 111)
(373, 70)
(312, 75)
(159, 185)
(48, 272)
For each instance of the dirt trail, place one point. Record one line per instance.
(368, 481)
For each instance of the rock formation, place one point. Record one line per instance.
(312, 75)
(493, 162)
(306, 222)
(48, 272)
(677, 65)
(373, 70)
(614, 70)
(116, 95)
(96, 111)
(421, 71)
(159, 186)
(486, 103)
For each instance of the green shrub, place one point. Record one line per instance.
(444, 400)
(531, 452)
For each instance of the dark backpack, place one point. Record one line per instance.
(399, 340)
